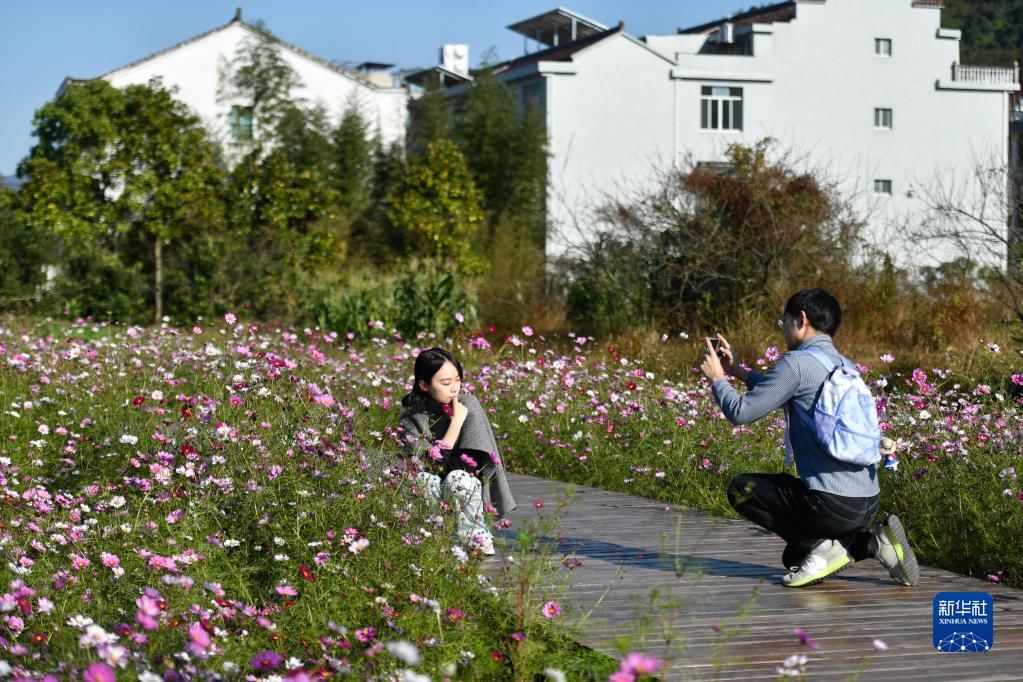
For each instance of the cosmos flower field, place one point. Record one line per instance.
(228, 501)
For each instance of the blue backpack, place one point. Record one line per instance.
(843, 416)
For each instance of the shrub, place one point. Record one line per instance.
(707, 244)
(425, 298)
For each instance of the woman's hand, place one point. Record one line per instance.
(458, 411)
(458, 414)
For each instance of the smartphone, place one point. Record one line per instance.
(717, 344)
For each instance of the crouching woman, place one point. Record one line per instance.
(447, 433)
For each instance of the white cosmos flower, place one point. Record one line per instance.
(405, 651)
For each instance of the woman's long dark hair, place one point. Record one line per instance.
(427, 364)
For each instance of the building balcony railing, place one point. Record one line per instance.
(962, 73)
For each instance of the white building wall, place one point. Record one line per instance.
(194, 69)
(611, 128)
(812, 84)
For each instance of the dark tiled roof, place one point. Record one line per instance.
(255, 31)
(560, 53)
(769, 14)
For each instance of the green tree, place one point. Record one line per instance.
(282, 213)
(352, 169)
(260, 83)
(529, 177)
(439, 206)
(486, 131)
(505, 145)
(430, 120)
(283, 201)
(120, 169)
(23, 254)
(374, 239)
(992, 31)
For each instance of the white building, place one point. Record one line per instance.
(869, 92)
(194, 68)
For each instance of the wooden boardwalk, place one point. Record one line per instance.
(716, 569)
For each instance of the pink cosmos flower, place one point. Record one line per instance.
(14, 623)
(640, 664)
(805, 638)
(99, 672)
(230, 318)
(162, 562)
(551, 609)
(198, 635)
(367, 634)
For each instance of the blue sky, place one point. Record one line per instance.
(42, 41)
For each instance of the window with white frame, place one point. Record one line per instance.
(720, 108)
(882, 118)
(883, 47)
(882, 186)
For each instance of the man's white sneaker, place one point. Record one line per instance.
(894, 552)
(826, 558)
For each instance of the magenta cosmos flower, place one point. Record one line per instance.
(99, 672)
(640, 664)
(551, 609)
(267, 660)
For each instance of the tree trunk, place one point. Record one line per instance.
(158, 278)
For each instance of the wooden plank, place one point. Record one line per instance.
(713, 567)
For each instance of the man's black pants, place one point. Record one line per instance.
(783, 504)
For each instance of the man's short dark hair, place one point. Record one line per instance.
(822, 309)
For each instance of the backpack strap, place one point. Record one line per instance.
(828, 363)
